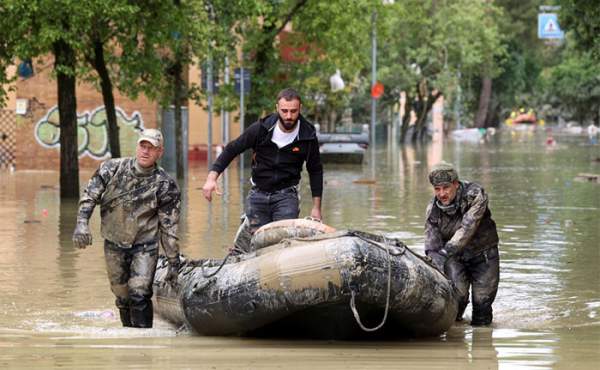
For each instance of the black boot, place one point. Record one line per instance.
(142, 314)
(482, 315)
(123, 306)
(481, 321)
(481, 318)
(125, 314)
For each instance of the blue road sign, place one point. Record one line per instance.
(548, 27)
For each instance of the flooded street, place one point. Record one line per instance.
(56, 308)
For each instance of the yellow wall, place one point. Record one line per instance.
(12, 95)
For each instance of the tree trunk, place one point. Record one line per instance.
(99, 63)
(64, 65)
(420, 111)
(484, 101)
(420, 123)
(493, 116)
(406, 117)
(423, 112)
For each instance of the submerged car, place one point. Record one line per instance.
(343, 147)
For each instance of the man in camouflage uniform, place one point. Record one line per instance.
(139, 206)
(461, 240)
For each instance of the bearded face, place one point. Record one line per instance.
(288, 111)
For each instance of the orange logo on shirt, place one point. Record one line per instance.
(295, 149)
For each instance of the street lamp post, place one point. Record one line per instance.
(374, 70)
(373, 75)
(209, 88)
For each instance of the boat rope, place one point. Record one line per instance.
(387, 300)
(233, 251)
(220, 265)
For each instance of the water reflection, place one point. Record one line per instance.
(479, 348)
(56, 300)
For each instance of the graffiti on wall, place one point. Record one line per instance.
(92, 132)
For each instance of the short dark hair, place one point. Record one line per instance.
(289, 94)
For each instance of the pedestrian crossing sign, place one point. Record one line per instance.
(548, 27)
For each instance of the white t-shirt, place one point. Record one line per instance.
(282, 138)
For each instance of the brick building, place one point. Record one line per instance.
(29, 124)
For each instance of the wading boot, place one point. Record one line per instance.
(125, 317)
(141, 317)
(481, 320)
(482, 315)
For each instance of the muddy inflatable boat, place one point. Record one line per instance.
(335, 285)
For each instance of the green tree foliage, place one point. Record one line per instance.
(230, 22)
(333, 36)
(433, 43)
(139, 47)
(150, 44)
(324, 36)
(40, 27)
(260, 46)
(8, 44)
(582, 19)
(109, 20)
(160, 33)
(573, 86)
(525, 58)
(425, 48)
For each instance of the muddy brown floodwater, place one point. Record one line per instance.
(56, 309)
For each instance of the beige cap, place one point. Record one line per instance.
(151, 135)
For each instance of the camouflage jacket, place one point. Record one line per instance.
(470, 229)
(135, 208)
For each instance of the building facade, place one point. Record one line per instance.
(30, 129)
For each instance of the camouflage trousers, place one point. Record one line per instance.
(131, 274)
(481, 273)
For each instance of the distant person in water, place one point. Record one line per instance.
(462, 241)
(139, 209)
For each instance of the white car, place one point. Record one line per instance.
(343, 147)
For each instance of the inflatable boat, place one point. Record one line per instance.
(332, 285)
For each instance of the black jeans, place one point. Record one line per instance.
(263, 207)
(482, 274)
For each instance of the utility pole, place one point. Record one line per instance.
(242, 122)
(226, 113)
(225, 130)
(373, 75)
(242, 114)
(209, 88)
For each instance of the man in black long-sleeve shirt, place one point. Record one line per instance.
(281, 142)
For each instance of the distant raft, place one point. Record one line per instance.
(339, 285)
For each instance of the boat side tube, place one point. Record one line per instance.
(305, 288)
